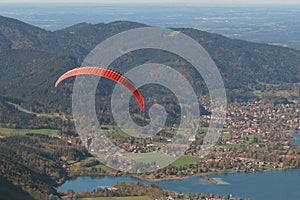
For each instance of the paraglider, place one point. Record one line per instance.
(107, 73)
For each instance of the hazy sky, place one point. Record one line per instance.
(158, 1)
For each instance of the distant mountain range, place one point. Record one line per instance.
(33, 58)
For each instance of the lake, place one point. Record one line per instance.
(261, 185)
(297, 141)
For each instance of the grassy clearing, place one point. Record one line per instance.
(261, 149)
(185, 160)
(252, 136)
(169, 130)
(226, 135)
(276, 90)
(20, 108)
(77, 166)
(160, 159)
(10, 131)
(138, 116)
(281, 93)
(119, 198)
(258, 93)
(105, 167)
(116, 130)
(233, 146)
(163, 160)
(129, 132)
(267, 84)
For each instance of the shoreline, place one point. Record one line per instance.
(215, 181)
(172, 178)
(145, 178)
(137, 176)
(209, 180)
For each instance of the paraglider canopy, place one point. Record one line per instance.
(107, 73)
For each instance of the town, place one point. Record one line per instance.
(256, 137)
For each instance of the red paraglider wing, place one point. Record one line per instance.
(107, 73)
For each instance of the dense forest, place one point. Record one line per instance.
(37, 163)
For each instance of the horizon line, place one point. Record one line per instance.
(154, 3)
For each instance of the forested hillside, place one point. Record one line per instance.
(36, 164)
(37, 57)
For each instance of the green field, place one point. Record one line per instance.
(20, 108)
(281, 93)
(10, 131)
(275, 90)
(185, 160)
(119, 198)
(116, 130)
(141, 117)
(234, 146)
(87, 160)
(226, 135)
(252, 136)
(160, 159)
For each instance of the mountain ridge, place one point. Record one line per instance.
(38, 57)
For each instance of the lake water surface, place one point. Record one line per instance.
(297, 141)
(261, 185)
